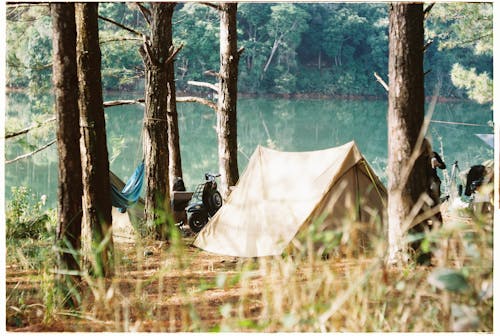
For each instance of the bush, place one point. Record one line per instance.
(25, 216)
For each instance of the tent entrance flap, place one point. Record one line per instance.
(281, 192)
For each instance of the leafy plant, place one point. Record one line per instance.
(26, 216)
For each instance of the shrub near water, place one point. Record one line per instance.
(29, 234)
(26, 217)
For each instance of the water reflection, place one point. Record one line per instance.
(289, 125)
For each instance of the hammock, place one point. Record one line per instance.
(130, 193)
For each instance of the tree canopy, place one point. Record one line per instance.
(302, 48)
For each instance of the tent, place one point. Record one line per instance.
(281, 193)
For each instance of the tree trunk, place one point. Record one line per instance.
(175, 163)
(95, 164)
(273, 51)
(70, 188)
(405, 117)
(155, 52)
(226, 108)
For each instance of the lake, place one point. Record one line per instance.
(284, 124)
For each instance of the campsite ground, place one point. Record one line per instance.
(161, 287)
(158, 290)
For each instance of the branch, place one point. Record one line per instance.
(205, 84)
(428, 9)
(209, 4)
(123, 102)
(477, 38)
(120, 40)
(120, 25)
(212, 73)
(26, 130)
(427, 45)
(199, 100)
(145, 52)
(111, 103)
(32, 153)
(381, 81)
(173, 54)
(145, 12)
(240, 51)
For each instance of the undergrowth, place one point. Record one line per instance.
(166, 287)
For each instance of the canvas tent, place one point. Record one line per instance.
(281, 193)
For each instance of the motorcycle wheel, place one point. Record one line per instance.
(197, 221)
(214, 202)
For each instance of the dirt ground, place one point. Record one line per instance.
(160, 288)
(176, 291)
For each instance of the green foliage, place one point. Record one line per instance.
(197, 28)
(325, 48)
(479, 87)
(29, 48)
(463, 25)
(462, 28)
(26, 216)
(121, 62)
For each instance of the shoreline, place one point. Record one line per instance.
(296, 95)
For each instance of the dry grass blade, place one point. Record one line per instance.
(339, 301)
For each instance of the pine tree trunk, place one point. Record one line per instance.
(226, 109)
(175, 163)
(155, 53)
(70, 188)
(405, 116)
(96, 185)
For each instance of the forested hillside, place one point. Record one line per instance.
(290, 48)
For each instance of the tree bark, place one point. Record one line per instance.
(405, 117)
(175, 162)
(155, 52)
(226, 107)
(96, 185)
(70, 189)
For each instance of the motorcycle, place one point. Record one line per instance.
(204, 203)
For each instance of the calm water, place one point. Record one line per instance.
(290, 125)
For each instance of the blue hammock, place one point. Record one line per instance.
(129, 195)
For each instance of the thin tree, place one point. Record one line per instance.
(156, 54)
(405, 120)
(70, 188)
(227, 93)
(228, 97)
(96, 184)
(175, 162)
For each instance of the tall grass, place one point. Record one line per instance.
(173, 286)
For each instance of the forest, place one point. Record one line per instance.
(328, 49)
(298, 240)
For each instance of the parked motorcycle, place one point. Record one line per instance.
(204, 203)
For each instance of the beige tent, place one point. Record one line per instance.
(281, 192)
